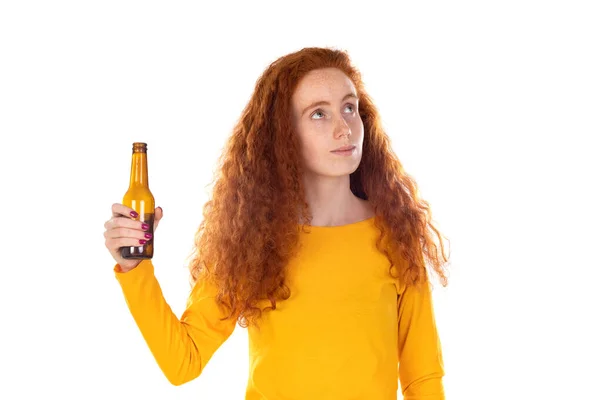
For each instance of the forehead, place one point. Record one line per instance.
(323, 84)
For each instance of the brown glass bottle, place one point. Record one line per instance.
(140, 198)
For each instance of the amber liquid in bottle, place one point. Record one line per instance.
(140, 198)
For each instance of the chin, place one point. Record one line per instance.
(337, 172)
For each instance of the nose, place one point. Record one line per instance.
(342, 128)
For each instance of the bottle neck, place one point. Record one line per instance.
(139, 170)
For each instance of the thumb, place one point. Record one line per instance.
(158, 214)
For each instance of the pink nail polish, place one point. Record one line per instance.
(142, 241)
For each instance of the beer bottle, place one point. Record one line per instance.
(139, 198)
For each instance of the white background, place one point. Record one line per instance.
(492, 106)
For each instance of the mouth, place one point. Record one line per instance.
(344, 149)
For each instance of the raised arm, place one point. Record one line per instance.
(181, 347)
(421, 366)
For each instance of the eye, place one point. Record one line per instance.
(317, 112)
(350, 106)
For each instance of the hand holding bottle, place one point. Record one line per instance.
(125, 230)
(131, 227)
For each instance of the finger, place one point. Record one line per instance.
(123, 222)
(115, 244)
(158, 214)
(127, 233)
(119, 210)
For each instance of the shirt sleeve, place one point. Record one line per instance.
(421, 366)
(181, 346)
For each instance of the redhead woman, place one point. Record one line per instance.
(314, 239)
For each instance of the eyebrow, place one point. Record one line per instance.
(325, 103)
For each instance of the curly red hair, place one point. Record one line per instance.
(251, 223)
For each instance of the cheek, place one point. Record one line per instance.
(311, 136)
(314, 151)
(357, 126)
(313, 148)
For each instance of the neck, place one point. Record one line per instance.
(139, 170)
(331, 202)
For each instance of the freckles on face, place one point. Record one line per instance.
(325, 117)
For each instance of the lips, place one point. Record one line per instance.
(344, 148)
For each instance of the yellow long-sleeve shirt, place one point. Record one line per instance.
(348, 331)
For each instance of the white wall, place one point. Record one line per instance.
(491, 106)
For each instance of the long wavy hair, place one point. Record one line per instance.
(250, 228)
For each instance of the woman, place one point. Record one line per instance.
(314, 239)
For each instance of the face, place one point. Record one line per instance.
(325, 117)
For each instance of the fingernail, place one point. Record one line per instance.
(148, 235)
(142, 241)
(145, 227)
(133, 214)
